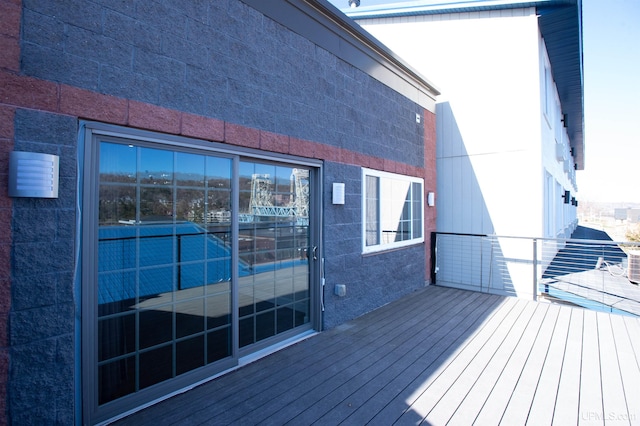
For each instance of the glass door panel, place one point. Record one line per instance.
(164, 265)
(172, 224)
(273, 286)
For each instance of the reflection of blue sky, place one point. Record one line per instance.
(117, 159)
(122, 159)
(249, 169)
(278, 175)
(155, 161)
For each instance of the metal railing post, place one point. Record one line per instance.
(433, 260)
(535, 269)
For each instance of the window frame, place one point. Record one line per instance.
(381, 245)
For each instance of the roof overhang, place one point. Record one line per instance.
(560, 23)
(561, 29)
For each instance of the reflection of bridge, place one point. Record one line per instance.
(262, 205)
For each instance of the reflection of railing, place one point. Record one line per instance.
(151, 253)
(118, 254)
(588, 273)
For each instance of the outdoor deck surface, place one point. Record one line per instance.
(438, 356)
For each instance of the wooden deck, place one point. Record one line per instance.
(439, 356)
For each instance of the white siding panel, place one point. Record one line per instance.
(488, 114)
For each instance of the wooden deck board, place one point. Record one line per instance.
(477, 380)
(253, 386)
(613, 396)
(517, 382)
(633, 329)
(440, 355)
(448, 385)
(542, 406)
(590, 381)
(345, 369)
(568, 396)
(383, 369)
(402, 403)
(387, 404)
(499, 376)
(627, 360)
(320, 367)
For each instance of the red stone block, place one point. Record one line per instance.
(303, 148)
(94, 106)
(28, 92)
(197, 126)
(5, 295)
(274, 142)
(6, 124)
(10, 48)
(152, 117)
(347, 156)
(388, 165)
(430, 135)
(376, 163)
(10, 23)
(4, 370)
(416, 171)
(242, 136)
(361, 160)
(324, 152)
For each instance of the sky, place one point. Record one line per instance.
(611, 55)
(611, 61)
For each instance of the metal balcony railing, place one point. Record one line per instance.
(595, 274)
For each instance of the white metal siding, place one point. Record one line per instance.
(492, 150)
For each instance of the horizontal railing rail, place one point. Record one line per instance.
(592, 273)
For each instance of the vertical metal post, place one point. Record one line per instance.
(535, 269)
(433, 253)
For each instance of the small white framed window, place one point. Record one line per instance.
(392, 210)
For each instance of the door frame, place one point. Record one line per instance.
(90, 134)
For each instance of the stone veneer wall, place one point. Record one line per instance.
(142, 66)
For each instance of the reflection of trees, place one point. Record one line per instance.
(117, 178)
(156, 202)
(116, 203)
(193, 201)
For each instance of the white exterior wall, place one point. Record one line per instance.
(559, 174)
(498, 172)
(489, 155)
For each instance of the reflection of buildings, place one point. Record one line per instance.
(628, 214)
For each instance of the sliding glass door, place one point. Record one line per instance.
(273, 244)
(193, 259)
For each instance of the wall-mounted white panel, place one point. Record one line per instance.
(33, 174)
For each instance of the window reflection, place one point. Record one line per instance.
(165, 258)
(164, 236)
(273, 246)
